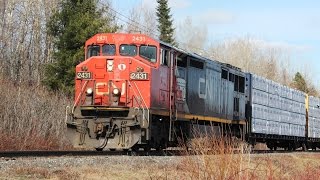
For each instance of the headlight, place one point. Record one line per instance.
(89, 91)
(116, 91)
(110, 65)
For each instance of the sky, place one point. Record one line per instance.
(293, 25)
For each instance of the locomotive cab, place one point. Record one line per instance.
(112, 63)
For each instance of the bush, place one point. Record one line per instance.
(31, 118)
(215, 157)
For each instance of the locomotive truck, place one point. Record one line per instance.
(133, 92)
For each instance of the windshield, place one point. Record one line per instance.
(108, 50)
(93, 50)
(148, 52)
(128, 50)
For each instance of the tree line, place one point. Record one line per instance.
(41, 41)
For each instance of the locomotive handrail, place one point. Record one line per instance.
(140, 94)
(144, 103)
(78, 98)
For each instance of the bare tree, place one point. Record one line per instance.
(3, 4)
(142, 20)
(192, 37)
(25, 44)
(253, 56)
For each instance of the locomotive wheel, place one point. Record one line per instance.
(135, 148)
(101, 144)
(147, 148)
(99, 149)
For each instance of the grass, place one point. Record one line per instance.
(296, 166)
(43, 173)
(226, 158)
(207, 157)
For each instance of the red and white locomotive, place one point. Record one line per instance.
(134, 92)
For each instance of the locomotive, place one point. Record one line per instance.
(133, 92)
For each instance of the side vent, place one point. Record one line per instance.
(196, 64)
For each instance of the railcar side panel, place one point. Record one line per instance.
(273, 104)
(212, 100)
(196, 87)
(314, 117)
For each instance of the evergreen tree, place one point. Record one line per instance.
(165, 26)
(300, 83)
(71, 26)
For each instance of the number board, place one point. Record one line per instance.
(139, 76)
(83, 75)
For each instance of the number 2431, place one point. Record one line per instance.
(138, 38)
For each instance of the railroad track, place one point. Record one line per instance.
(15, 154)
(12, 154)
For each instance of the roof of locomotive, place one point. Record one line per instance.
(187, 53)
(200, 57)
(120, 37)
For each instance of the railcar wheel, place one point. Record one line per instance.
(271, 146)
(304, 147)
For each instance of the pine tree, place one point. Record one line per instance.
(300, 83)
(165, 26)
(71, 26)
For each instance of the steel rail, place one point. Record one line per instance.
(87, 153)
(15, 154)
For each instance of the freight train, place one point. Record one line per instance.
(135, 92)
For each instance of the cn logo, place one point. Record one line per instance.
(104, 85)
(122, 67)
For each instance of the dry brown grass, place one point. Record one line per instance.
(213, 157)
(220, 158)
(210, 157)
(37, 173)
(269, 167)
(31, 118)
(65, 174)
(43, 173)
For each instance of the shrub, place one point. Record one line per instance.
(31, 117)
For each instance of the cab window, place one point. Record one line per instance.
(148, 52)
(128, 50)
(93, 50)
(108, 49)
(164, 57)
